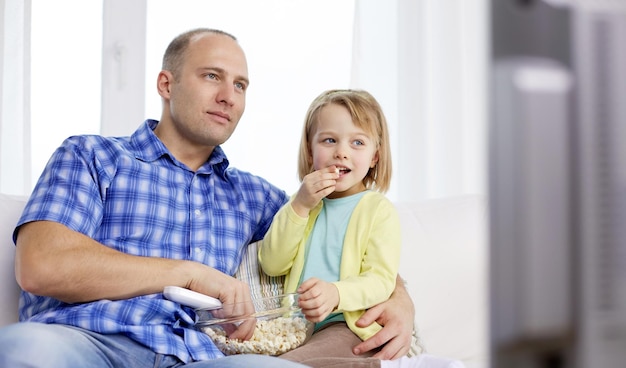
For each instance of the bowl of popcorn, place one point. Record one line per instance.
(279, 325)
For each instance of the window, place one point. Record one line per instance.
(65, 74)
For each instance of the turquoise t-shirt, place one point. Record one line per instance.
(325, 244)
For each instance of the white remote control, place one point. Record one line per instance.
(191, 298)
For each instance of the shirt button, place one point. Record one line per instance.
(197, 212)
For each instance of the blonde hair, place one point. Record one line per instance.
(366, 114)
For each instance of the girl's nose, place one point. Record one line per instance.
(340, 153)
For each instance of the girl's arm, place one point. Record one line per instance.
(279, 247)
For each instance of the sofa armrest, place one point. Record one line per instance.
(444, 262)
(10, 210)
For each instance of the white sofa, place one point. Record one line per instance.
(444, 260)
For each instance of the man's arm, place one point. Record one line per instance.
(397, 325)
(52, 260)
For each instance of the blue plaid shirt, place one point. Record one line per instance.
(132, 195)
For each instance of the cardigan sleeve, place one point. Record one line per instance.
(279, 247)
(371, 255)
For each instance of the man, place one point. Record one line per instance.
(112, 221)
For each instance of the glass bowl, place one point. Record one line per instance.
(279, 327)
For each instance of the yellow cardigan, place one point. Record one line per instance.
(369, 261)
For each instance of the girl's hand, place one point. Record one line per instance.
(317, 299)
(314, 187)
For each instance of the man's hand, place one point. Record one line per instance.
(235, 297)
(317, 299)
(397, 325)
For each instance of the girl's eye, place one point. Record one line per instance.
(359, 143)
(329, 140)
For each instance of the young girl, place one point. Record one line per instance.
(338, 239)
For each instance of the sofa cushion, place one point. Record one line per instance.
(261, 285)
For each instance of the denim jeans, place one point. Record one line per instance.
(48, 345)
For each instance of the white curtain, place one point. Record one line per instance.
(426, 63)
(424, 60)
(123, 66)
(15, 97)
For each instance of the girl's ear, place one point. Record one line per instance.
(374, 160)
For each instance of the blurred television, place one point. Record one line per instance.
(557, 183)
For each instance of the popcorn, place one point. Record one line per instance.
(271, 337)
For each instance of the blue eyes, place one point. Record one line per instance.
(238, 85)
(355, 142)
